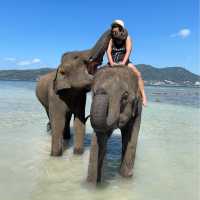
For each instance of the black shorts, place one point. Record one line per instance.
(128, 61)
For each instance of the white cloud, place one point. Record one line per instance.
(10, 59)
(28, 62)
(24, 62)
(183, 33)
(36, 60)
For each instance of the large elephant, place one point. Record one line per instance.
(116, 103)
(63, 93)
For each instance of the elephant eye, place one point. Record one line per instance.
(62, 71)
(124, 101)
(86, 62)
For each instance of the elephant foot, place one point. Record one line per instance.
(91, 180)
(56, 153)
(78, 151)
(98, 180)
(125, 172)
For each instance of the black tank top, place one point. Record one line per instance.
(118, 50)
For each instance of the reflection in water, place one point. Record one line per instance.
(166, 164)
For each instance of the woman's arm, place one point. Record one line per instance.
(128, 50)
(109, 55)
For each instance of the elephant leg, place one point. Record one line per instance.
(97, 154)
(57, 116)
(79, 126)
(66, 134)
(93, 161)
(129, 144)
(125, 132)
(102, 144)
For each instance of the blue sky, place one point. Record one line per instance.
(36, 33)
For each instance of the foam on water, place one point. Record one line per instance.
(166, 166)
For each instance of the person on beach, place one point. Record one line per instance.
(119, 50)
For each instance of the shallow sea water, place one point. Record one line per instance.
(166, 166)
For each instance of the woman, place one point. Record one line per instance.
(119, 50)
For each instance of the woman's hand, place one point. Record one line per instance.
(113, 64)
(109, 52)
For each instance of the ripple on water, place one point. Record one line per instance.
(165, 168)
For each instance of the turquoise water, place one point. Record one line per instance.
(166, 166)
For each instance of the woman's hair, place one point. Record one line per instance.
(116, 26)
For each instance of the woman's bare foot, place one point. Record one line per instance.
(144, 100)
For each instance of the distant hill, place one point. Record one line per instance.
(23, 75)
(174, 74)
(151, 75)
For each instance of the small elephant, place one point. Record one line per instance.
(63, 93)
(116, 103)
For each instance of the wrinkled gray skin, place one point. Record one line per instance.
(63, 93)
(116, 103)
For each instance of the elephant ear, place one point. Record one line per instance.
(137, 106)
(92, 65)
(60, 82)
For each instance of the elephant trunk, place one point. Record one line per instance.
(105, 112)
(99, 49)
(98, 111)
(113, 113)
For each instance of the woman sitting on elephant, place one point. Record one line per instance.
(119, 50)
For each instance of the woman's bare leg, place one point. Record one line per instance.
(140, 83)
